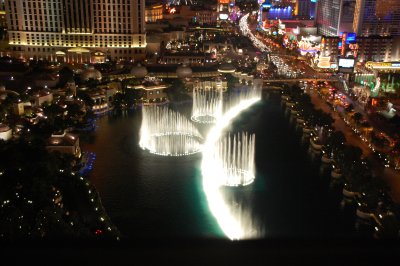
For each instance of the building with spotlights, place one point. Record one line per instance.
(76, 31)
(64, 143)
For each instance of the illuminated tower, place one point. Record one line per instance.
(77, 31)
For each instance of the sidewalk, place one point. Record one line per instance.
(389, 175)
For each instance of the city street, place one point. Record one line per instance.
(391, 176)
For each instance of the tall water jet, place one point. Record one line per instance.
(207, 105)
(233, 224)
(234, 160)
(242, 94)
(168, 133)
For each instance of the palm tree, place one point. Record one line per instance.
(366, 129)
(336, 142)
(357, 117)
(371, 193)
(85, 97)
(350, 157)
(53, 112)
(356, 176)
(66, 74)
(325, 119)
(295, 91)
(92, 83)
(349, 108)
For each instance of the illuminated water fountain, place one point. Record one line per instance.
(234, 159)
(235, 221)
(242, 95)
(168, 133)
(207, 105)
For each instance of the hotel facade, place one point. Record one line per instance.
(377, 17)
(77, 31)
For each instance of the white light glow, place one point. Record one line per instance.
(167, 133)
(234, 160)
(232, 223)
(244, 27)
(207, 105)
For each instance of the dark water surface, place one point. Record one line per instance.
(151, 196)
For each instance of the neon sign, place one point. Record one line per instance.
(382, 65)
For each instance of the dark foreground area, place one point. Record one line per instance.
(208, 252)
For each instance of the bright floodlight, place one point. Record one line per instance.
(207, 105)
(165, 132)
(234, 157)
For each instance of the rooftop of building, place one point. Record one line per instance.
(62, 139)
(41, 93)
(4, 128)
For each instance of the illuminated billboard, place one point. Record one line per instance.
(383, 65)
(346, 65)
(324, 62)
(223, 16)
(350, 37)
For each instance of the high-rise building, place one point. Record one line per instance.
(335, 16)
(377, 48)
(377, 17)
(77, 31)
(373, 48)
(3, 22)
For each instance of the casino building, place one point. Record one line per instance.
(74, 31)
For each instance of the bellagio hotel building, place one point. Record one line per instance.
(77, 31)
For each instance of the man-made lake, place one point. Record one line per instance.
(154, 196)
